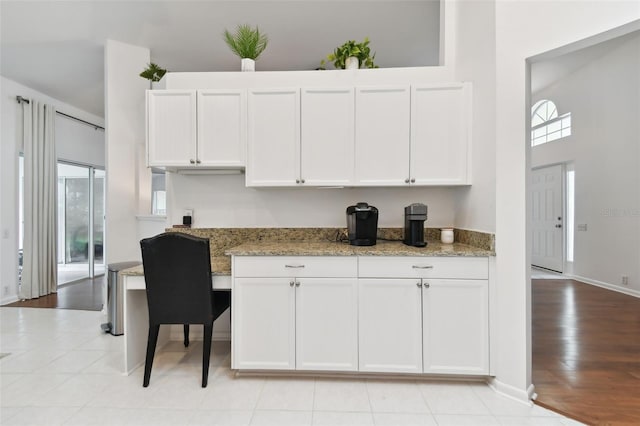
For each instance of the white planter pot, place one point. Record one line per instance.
(247, 64)
(351, 63)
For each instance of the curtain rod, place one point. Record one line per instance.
(20, 99)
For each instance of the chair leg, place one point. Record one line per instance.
(186, 335)
(152, 340)
(206, 353)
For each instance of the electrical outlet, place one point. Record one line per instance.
(625, 280)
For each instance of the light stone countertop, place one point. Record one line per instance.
(328, 248)
(220, 265)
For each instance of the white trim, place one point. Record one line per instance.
(602, 284)
(151, 217)
(8, 299)
(516, 394)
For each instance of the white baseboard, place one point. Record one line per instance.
(517, 394)
(8, 299)
(602, 284)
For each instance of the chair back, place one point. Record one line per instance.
(177, 272)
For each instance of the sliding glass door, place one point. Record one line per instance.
(80, 222)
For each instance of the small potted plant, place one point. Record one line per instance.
(153, 73)
(352, 55)
(248, 43)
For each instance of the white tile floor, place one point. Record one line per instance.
(61, 370)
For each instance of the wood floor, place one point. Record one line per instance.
(82, 295)
(586, 352)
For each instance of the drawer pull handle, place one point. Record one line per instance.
(294, 266)
(422, 267)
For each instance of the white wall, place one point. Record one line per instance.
(224, 201)
(79, 143)
(524, 29)
(69, 136)
(604, 100)
(125, 118)
(476, 62)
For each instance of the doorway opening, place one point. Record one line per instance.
(80, 222)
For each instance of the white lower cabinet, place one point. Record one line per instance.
(327, 324)
(263, 324)
(390, 322)
(455, 326)
(408, 324)
(301, 323)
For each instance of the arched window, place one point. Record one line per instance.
(546, 125)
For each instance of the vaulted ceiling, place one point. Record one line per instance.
(57, 47)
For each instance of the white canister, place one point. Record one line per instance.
(446, 235)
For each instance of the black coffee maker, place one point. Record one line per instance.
(362, 224)
(414, 217)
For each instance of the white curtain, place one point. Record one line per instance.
(39, 266)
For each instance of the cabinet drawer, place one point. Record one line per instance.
(423, 267)
(296, 266)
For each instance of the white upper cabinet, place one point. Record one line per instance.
(189, 128)
(222, 128)
(440, 134)
(273, 149)
(382, 136)
(327, 145)
(171, 128)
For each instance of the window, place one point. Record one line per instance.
(546, 125)
(158, 193)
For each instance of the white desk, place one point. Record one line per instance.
(136, 318)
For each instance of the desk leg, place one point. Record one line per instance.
(136, 330)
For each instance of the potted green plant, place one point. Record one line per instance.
(153, 73)
(352, 55)
(248, 43)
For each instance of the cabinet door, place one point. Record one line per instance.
(327, 141)
(222, 124)
(273, 156)
(390, 325)
(327, 324)
(441, 135)
(171, 127)
(456, 326)
(382, 136)
(263, 330)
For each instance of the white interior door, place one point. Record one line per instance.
(547, 219)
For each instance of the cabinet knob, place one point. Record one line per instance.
(302, 181)
(192, 161)
(297, 180)
(419, 284)
(291, 283)
(426, 285)
(559, 225)
(413, 180)
(198, 161)
(406, 180)
(297, 283)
